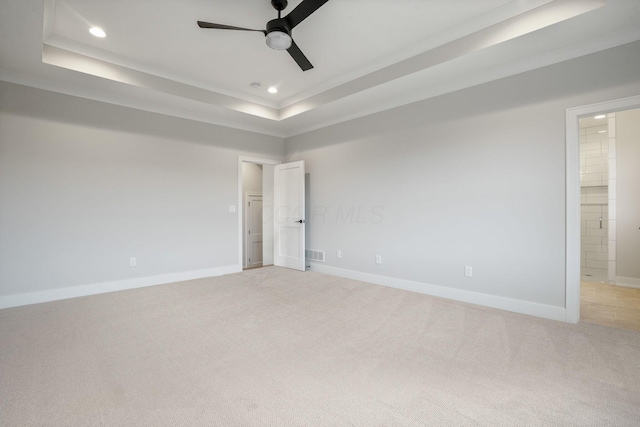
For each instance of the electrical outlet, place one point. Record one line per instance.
(468, 271)
(378, 259)
(338, 254)
(133, 262)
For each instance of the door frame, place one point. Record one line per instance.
(240, 207)
(572, 250)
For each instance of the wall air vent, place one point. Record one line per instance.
(314, 255)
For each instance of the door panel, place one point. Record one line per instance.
(254, 231)
(289, 215)
(290, 241)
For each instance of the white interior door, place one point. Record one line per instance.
(289, 215)
(254, 231)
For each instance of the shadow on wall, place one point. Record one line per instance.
(28, 101)
(562, 80)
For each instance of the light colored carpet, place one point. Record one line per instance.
(274, 347)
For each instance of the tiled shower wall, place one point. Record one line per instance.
(594, 180)
(594, 244)
(612, 198)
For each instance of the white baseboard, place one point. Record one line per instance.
(502, 303)
(628, 282)
(119, 285)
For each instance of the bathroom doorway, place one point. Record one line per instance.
(610, 219)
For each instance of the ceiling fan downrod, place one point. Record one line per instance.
(279, 5)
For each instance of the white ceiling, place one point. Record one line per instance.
(369, 55)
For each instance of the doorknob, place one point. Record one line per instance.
(300, 221)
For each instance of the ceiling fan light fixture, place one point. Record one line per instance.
(278, 40)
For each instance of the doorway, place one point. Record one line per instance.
(255, 213)
(597, 202)
(283, 195)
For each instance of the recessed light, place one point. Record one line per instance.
(255, 85)
(98, 32)
(602, 131)
(601, 116)
(272, 89)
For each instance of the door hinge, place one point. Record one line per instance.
(249, 203)
(249, 232)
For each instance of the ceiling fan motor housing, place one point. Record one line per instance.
(279, 24)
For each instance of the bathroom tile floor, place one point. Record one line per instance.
(610, 305)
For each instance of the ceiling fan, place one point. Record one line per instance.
(278, 32)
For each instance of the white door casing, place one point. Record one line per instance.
(253, 227)
(289, 211)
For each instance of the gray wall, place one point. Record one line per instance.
(85, 185)
(471, 178)
(628, 194)
(251, 177)
(474, 178)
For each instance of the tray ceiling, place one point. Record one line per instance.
(367, 55)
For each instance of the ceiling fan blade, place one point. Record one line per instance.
(203, 24)
(299, 57)
(302, 12)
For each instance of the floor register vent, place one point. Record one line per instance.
(314, 255)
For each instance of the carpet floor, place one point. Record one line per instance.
(275, 347)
